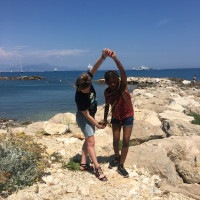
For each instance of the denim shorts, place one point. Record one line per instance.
(86, 127)
(127, 122)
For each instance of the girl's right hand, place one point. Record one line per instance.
(100, 126)
(105, 53)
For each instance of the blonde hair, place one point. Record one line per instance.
(83, 82)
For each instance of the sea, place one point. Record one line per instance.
(39, 100)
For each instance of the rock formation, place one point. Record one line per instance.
(22, 78)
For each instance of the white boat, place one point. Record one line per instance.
(141, 68)
(55, 69)
(21, 70)
(90, 66)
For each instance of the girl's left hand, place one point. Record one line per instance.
(107, 52)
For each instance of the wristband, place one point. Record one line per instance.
(103, 57)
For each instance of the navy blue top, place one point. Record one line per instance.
(87, 101)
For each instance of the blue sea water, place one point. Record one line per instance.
(32, 100)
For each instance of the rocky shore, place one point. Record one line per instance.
(163, 163)
(22, 78)
(153, 82)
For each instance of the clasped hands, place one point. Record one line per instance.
(108, 52)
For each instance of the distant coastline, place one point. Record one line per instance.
(21, 78)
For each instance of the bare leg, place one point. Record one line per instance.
(126, 138)
(90, 142)
(116, 128)
(84, 154)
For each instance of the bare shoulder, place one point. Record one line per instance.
(106, 90)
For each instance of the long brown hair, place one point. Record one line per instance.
(120, 90)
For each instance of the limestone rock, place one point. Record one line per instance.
(144, 131)
(173, 115)
(35, 128)
(64, 118)
(180, 128)
(54, 128)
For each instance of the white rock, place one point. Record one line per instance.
(133, 174)
(17, 130)
(145, 180)
(172, 115)
(56, 181)
(84, 190)
(71, 188)
(35, 128)
(157, 191)
(134, 167)
(48, 179)
(185, 82)
(53, 128)
(62, 152)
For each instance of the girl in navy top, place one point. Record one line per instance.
(86, 108)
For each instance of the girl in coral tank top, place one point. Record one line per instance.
(118, 97)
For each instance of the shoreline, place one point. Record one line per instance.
(138, 82)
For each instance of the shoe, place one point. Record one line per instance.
(122, 171)
(114, 163)
(86, 167)
(98, 172)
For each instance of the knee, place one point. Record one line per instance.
(125, 144)
(116, 140)
(90, 143)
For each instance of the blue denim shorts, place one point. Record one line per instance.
(127, 122)
(86, 127)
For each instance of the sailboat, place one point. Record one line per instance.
(55, 69)
(90, 66)
(21, 70)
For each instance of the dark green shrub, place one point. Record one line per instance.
(196, 118)
(73, 165)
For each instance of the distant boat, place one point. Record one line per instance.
(90, 66)
(21, 70)
(55, 69)
(141, 68)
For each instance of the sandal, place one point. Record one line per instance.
(86, 167)
(98, 172)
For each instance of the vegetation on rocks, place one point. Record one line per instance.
(22, 161)
(196, 118)
(73, 165)
(56, 157)
(121, 144)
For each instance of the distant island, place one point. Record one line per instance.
(141, 68)
(22, 78)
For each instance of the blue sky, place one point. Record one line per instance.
(72, 33)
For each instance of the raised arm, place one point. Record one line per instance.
(98, 63)
(121, 69)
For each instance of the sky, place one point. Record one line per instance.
(73, 33)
